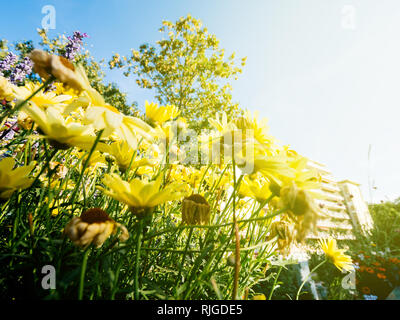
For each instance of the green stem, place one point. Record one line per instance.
(278, 212)
(236, 233)
(306, 279)
(202, 178)
(275, 281)
(86, 164)
(46, 166)
(237, 260)
(138, 246)
(83, 271)
(184, 255)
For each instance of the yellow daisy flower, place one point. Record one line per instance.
(140, 195)
(164, 133)
(244, 188)
(60, 132)
(41, 99)
(297, 200)
(221, 123)
(6, 89)
(214, 180)
(145, 171)
(304, 178)
(336, 255)
(302, 209)
(24, 121)
(160, 114)
(112, 121)
(61, 89)
(11, 180)
(97, 160)
(260, 189)
(273, 168)
(260, 129)
(124, 155)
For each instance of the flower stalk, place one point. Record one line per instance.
(308, 276)
(83, 271)
(137, 259)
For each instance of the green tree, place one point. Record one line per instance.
(187, 69)
(3, 48)
(386, 231)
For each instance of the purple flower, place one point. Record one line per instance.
(15, 73)
(22, 69)
(8, 62)
(74, 44)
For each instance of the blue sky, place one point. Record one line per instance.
(329, 89)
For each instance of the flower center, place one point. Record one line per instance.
(95, 215)
(67, 63)
(197, 199)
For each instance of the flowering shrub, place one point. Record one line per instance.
(16, 69)
(127, 205)
(386, 231)
(377, 273)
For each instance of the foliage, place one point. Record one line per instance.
(375, 255)
(86, 156)
(187, 69)
(282, 283)
(106, 195)
(378, 273)
(386, 231)
(328, 280)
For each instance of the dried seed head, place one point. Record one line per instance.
(95, 215)
(230, 261)
(41, 62)
(197, 198)
(47, 65)
(195, 210)
(94, 226)
(286, 234)
(298, 201)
